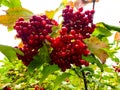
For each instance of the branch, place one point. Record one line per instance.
(84, 78)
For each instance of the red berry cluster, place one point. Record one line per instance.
(32, 34)
(116, 68)
(68, 49)
(81, 22)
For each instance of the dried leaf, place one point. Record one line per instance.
(12, 14)
(81, 3)
(96, 47)
(117, 36)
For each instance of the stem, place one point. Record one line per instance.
(84, 78)
(76, 73)
(94, 4)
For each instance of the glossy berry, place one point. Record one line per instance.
(68, 49)
(81, 22)
(33, 33)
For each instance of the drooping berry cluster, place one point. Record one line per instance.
(81, 22)
(32, 34)
(68, 49)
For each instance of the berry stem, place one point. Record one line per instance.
(84, 78)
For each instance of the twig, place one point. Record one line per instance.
(94, 4)
(84, 78)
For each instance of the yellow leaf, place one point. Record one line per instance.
(12, 14)
(96, 47)
(50, 14)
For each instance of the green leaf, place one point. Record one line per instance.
(55, 30)
(12, 3)
(59, 79)
(111, 27)
(101, 30)
(44, 53)
(10, 52)
(12, 14)
(48, 69)
(41, 58)
(37, 62)
(91, 58)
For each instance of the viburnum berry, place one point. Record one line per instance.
(33, 33)
(68, 49)
(81, 22)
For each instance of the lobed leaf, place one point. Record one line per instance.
(96, 46)
(12, 14)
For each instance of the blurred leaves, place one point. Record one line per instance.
(59, 79)
(11, 3)
(47, 70)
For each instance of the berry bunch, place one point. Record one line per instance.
(68, 49)
(81, 22)
(32, 33)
